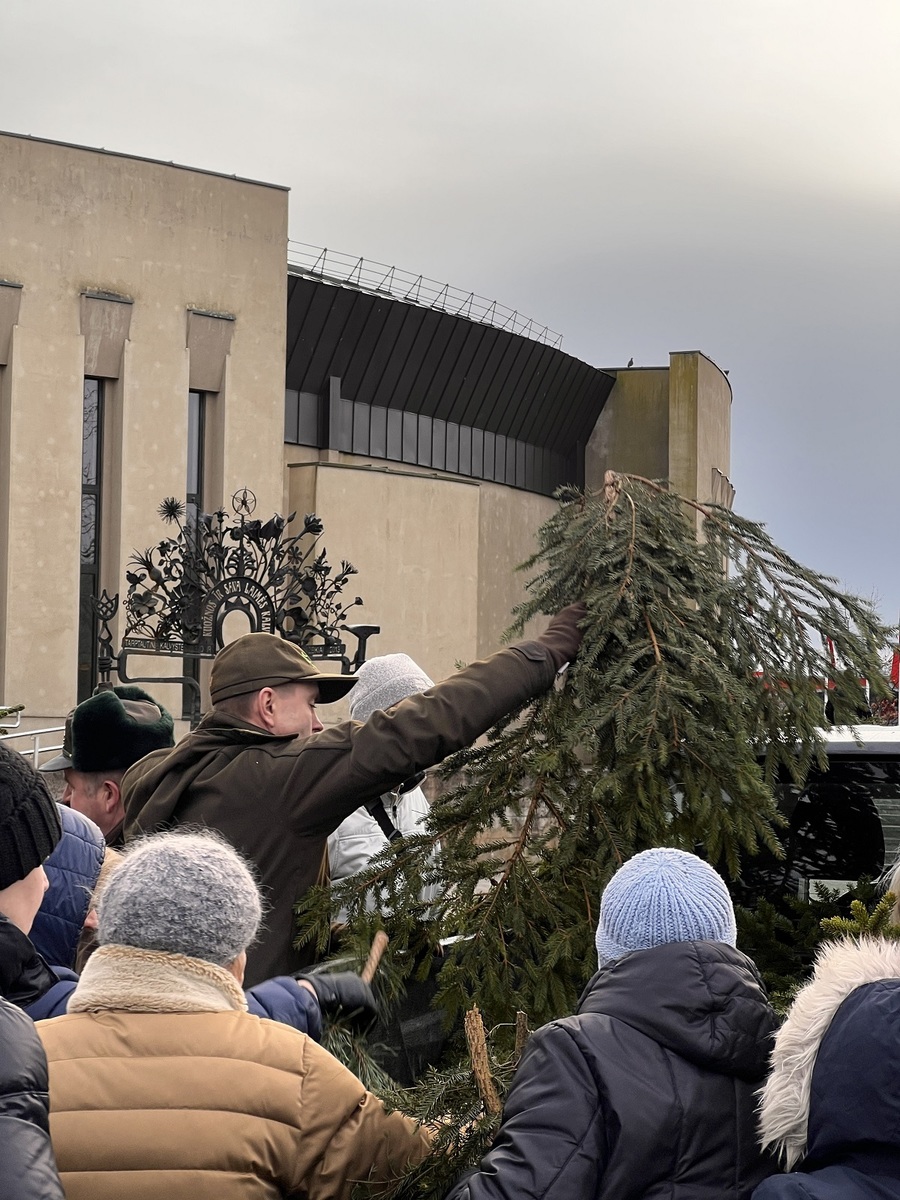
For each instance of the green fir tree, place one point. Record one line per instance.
(694, 687)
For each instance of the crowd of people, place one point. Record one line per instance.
(160, 1032)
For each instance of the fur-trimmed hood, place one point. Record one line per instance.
(823, 1056)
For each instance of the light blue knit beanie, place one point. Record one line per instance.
(662, 896)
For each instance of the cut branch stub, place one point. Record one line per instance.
(379, 945)
(522, 1035)
(481, 1066)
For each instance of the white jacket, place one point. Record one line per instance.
(359, 838)
(381, 683)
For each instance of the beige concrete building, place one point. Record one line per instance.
(154, 342)
(125, 285)
(669, 423)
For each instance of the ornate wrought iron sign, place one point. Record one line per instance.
(181, 591)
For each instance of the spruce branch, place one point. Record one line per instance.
(697, 687)
(865, 923)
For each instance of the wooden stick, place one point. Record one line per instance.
(521, 1035)
(481, 1066)
(379, 945)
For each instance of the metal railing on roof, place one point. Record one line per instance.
(378, 279)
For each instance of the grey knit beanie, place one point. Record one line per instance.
(384, 681)
(184, 893)
(662, 896)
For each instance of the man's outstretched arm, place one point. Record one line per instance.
(340, 769)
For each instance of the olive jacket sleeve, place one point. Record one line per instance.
(343, 767)
(319, 780)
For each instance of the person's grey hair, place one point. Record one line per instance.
(185, 893)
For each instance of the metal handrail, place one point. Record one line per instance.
(378, 279)
(35, 750)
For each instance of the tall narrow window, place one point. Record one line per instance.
(91, 507)
(193, 509)
(196, 422)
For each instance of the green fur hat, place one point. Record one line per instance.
(112, 729)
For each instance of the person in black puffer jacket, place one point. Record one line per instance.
(647, 1092)
(29, 829)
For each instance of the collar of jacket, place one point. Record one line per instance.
(24, 976)
(127, 979)
(154, 786)
(704, 1001)
(841, 968)
(217, 724)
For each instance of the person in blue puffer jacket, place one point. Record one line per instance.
(74, 869)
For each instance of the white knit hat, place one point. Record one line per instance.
(384, 681)
(662, 896)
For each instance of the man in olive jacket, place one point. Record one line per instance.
(260, 769)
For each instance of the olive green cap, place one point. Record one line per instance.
(259, 660)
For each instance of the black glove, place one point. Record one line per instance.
(344, 995)
(562, 636)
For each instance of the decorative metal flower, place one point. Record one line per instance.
(144, 603)
(243, 501)
(171, 510)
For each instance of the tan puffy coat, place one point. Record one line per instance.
(211, 1106)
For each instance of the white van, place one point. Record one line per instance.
(844, 823)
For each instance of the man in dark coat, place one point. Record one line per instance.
(105, 735)
(648, 1091)
(260, 769)
(29, 829)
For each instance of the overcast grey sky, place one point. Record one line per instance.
(640, 175)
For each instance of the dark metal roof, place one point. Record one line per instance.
(395, 354)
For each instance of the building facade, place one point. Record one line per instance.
(134, 295)
(155, 341)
